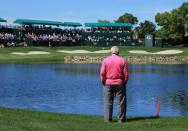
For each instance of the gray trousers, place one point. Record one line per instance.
(111, 91)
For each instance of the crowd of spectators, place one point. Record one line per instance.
(54, 36)
(106, 36)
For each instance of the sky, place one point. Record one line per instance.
(84, 10)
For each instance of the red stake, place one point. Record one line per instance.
(158, 108)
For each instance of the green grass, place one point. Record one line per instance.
(56, 57)
(23, 120)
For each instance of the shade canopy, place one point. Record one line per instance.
(74, 24)
(2, 20)
(39, 22)
(108, 24)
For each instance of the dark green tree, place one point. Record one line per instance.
(173, 25)
(127, 18)
(144, 28)
(184, 11)
(103, 21)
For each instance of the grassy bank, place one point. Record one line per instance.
(22, 120)
(57, 57)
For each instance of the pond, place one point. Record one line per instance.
(76, 88)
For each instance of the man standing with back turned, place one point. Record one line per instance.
(114, 76)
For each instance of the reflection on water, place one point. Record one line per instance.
(87, 69)
(76, 88)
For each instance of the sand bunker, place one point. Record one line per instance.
(31, 53)
(83, 51)
(166, 52)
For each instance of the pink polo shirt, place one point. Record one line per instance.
(114, 70)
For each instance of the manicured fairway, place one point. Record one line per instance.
(22, 120)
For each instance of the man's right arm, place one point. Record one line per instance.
(103, 73)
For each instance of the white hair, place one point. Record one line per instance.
(114, 50)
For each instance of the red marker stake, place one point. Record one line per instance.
(158, 108)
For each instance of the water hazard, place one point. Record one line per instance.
(76, 88)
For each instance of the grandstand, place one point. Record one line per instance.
(56, 33)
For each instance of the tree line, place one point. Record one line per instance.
(172, 25)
